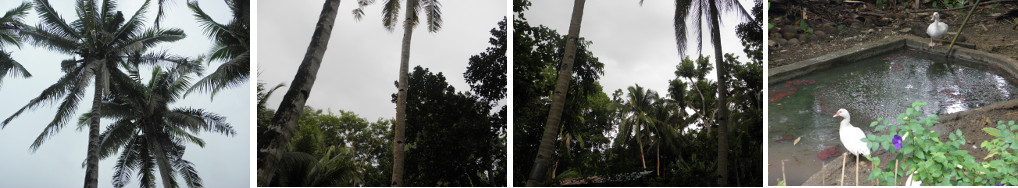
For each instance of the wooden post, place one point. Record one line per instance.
(843, 158)
(966, 21)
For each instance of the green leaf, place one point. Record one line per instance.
(992, 131)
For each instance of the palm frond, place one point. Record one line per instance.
(126, 164)
(161, 12)
(358, 13)
(230, 74)
(64, 111)
(51, 38)
(12, 21)
(149, 39)
(9, 66)
(117, 134)
(198, 120)
(50, 19)
(50, 93)
(263, 98)
(133, 26)
(681, 10)
(190, 175)
(210, 27)
(434, 12)
(390, 14)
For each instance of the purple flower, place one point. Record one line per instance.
(1000, 184)
(896, 141)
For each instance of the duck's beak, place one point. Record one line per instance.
(836, 113)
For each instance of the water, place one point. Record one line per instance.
(881, 86)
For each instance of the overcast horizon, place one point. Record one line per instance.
(636, 43)
(223, 162)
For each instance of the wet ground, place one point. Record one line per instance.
(882, 86)
(837, 25)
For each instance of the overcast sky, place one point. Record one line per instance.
(635, 43)
(362, 60)
(224, 162)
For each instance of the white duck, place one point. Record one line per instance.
(937, 29)
(851, 138)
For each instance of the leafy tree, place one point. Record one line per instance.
(390, 15)
(232, 46)
(99, 40)
(151, 133)
(11, 25)
(486, 73)
(444, 120)
(273, 140)
(711, 11)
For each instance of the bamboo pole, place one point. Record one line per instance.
(966, 21)
(895, 172)
(843, 158)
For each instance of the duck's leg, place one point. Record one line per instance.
(844, 156)
(931, 42)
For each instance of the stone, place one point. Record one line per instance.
(819, 33)
(793, 41)
(790, 35)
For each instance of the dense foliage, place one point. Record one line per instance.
(626, 137)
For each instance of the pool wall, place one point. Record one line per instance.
(857, 53)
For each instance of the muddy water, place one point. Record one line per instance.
(882, 86)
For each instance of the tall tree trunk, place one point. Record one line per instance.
(284, 121)
(639, 141)
(722, 97)
(659, 160)
(92, 158)
(547, 148)
(398, 155)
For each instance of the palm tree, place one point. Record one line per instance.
(547, 147)
(272, 143)
(390, 15)
(232, 46)
(10, 26)
(640, 120)
(98, 41)
(151, 133)
(710, 10)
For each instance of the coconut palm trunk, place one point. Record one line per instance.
(547, 147)
(284, 121)
(722, 97)
(92, 157)
(404, 63)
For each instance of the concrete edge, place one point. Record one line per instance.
(856, 53)
(851, 55)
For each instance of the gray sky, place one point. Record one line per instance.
(224, 162)
(635, 43)
(362, 61)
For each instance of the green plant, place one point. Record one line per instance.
(805, 27)
(1002, 169)
(880, 3)
(841, 27)
(921, 151)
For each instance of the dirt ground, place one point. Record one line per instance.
(970, 122)
(840, 24)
